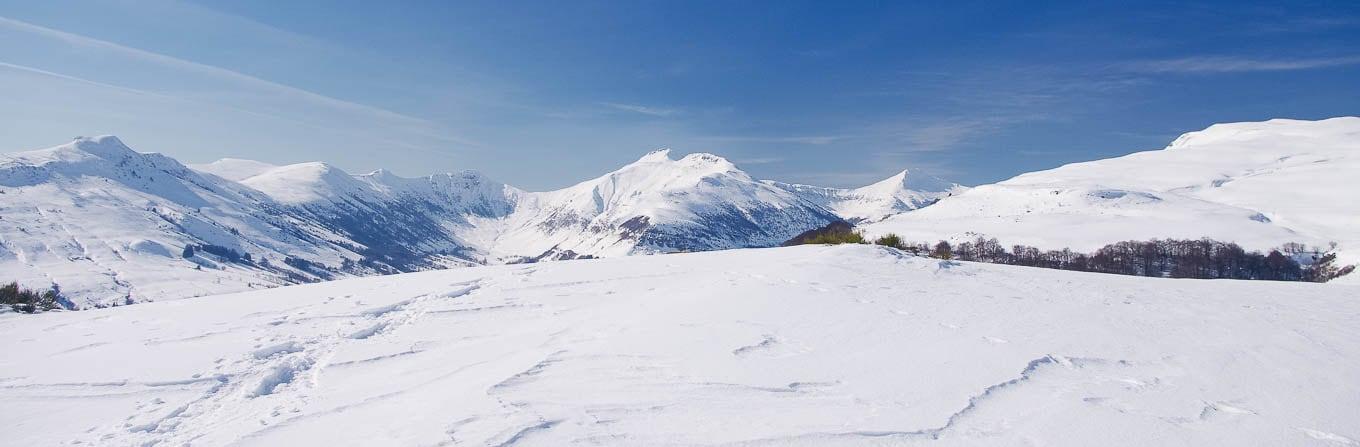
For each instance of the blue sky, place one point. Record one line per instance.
(542, 95)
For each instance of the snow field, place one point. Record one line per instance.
(813, 345)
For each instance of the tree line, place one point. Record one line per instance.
(225, 253)
(1170, 258)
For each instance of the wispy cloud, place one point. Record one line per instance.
(645, 110)
(79, 40)
(812, 139)
(1307, 24)
(953, 110)
(942, 135)
(758, 160)
(944, 132)
(1234, 64)
(42, 72)
(231, 90)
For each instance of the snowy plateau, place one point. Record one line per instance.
(811, 345)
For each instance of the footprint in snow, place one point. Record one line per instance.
(766, 343)
(1325, 436)
(995, 340)
(1214, 409)
(1220, 406)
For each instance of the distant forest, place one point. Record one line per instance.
(1167, 258)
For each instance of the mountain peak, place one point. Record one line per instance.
(303, 182)
(704, 158)
(911, 180)
(658, 155)
(103, 146)
(900, 178)
(99, 140)
(695, 160)
(234, 169)
(384, 176)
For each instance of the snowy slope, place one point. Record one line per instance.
(905, 191)
(409, 224)
(813, 345)
(1259, 184)
(109, 224)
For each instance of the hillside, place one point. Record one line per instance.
(743, 347)
(1259, 184)
(101, 221)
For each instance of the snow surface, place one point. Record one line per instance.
(812, 345)
(1259, 184)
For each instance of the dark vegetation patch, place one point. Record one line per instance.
(226, 254)
(1167, 258)
(30, 301)
(838, 232)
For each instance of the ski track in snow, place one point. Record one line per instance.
(794, 346)
(284, 371)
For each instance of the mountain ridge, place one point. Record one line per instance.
(107, 223)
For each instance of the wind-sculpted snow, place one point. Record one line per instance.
(811, 345)
(1258, 184)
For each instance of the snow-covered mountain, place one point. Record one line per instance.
(110, 225)
(804, 346)
(101, 221)
(1259, 184)
(656, 205)
(408, 224)
(906, 191)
